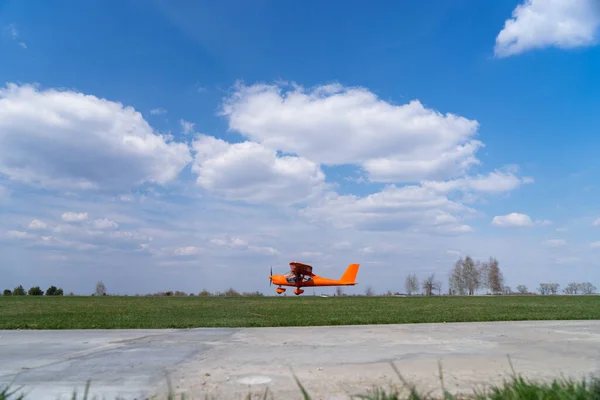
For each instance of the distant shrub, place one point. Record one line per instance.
(232, 293)
(36, 291)
(171, 293)
(204, 293)
(253, 294)
(162, 294)
(7, 292)
(19, 291)
(54, 291)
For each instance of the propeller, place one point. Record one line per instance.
(271, 277)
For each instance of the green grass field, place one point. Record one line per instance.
(30, 312)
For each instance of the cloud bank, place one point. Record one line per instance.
(537, 24)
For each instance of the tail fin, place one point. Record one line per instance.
(350, 274)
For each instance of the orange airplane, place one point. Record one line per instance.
(301, 275)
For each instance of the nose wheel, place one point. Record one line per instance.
(280, 290)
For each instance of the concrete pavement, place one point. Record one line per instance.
(332, 362)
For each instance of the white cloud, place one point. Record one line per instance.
(555, 242)
(381, 249)
(544, 23)
(187, 127)
(413, 208)
(99, 234)
(70, 140)
(237, 243)
(56, 257)
(232, 242)
(74, 217)
(311, 254)
(129, 235)
(158, 111)
(344, 245)
(495, 182)
(596, 222)
(186, 251)
(334, 125)
(253, 173)
(36, 224)
(105, 224)
(512, 220)
(266, 250)
(19, 235)
(160, 229)
(13, 32)
(51, 241)
(595, 245)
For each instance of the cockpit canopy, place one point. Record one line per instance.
(291, 278)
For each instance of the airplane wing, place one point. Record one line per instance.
(300, 268)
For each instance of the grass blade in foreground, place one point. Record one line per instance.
(517, 388)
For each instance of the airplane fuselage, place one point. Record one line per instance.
(301, 276)
(291, 280)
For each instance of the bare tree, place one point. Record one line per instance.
(430, 285)
(369, 291)
(456, 281)
(411, 284)
(522, 289)
(339, 291)
(485, 277)
(506, 290)
(495, 277)
(588, 288)
(548, 288)
(572, 288)
(471, 275)
(100, 289)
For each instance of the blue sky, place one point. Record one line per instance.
(161, 145)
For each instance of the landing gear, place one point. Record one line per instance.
(298, 291)
(280, 290)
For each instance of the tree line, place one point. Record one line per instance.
(101, 291)
(33, 291)
(467, 277)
